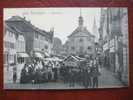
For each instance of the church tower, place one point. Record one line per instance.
(81, 21)
(95, 30)
(80, 40)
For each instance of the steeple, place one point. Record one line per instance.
(81, 19)
(95, 30)
(94, 23)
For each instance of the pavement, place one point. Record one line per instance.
(8, 73)
(106, 80)
(109, 80)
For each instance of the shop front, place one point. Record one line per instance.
(22, 57)
(106, 55)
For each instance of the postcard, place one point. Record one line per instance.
(65, 48)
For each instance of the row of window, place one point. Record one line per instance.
(9, 58)
(10, 34)
(82, 40)
(41, 45)
(21, 46)
(81, 48)
(9, 45)
(38, 36)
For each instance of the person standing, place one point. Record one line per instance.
(14, 74)
(85, 76)
(95, 73)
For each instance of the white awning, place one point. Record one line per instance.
(24, 55)
(112, 49)
(46, 54)
(38, 54)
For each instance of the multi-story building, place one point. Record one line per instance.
(124, 31)
(114, 39)
(9, 45)
(57, 46)
(43, 42)
(81, 41)
(102, 28)
(38, 42)
(65, 48)
(20, 49)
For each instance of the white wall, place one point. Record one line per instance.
(20, 44)
(10, 38)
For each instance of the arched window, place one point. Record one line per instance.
(80, 40)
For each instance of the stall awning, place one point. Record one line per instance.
(38, 54)
(24, 55)
(46, 54)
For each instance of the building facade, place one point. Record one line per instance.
(9, 41)
(36, 40)
(80, 41)
(124, 30)
(43, 42)
(20, 49)
(57, 46)
(114, 39)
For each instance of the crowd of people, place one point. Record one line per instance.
(85, 75)
(40, 71)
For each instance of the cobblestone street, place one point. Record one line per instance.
(106, 80)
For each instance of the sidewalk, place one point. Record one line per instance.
(8, 74)
(108, 80)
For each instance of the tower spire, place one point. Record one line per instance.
(80, 12)
(95, 30)
(94, 23)
(81, 18)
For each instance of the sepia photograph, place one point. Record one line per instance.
(65, 48)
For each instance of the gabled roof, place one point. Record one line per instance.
(76, 58)
(20, 24)
(81, 29)
(80, 58)
(71, 58)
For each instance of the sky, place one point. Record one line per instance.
(63, 20)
